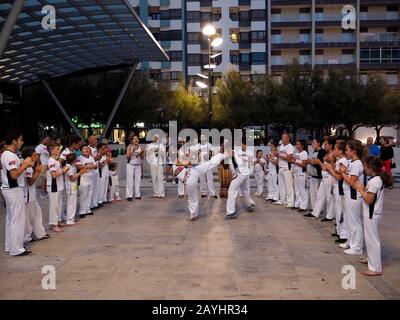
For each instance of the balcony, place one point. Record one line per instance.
(392, 37)
(345, 59)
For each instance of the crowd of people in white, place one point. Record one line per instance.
(338, 179)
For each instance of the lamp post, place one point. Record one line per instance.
(214, 40)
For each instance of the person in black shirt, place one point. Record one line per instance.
(315, 170)
(387, 155)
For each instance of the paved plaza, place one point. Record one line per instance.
(148, 249)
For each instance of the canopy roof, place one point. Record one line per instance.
(88, 34)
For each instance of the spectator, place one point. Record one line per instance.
(387, 155)
(373, 148)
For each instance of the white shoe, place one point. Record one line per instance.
(353, 252)
(344, 246)
(278, 202)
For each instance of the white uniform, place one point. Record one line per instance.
(353, 207)
(71, 188)
(190, 178)
(156, 157)
(114, 186)
(65, 153)
(247, 158)
(134, 173)
(315, 179)
(55, 188)
(336, 205)
(301, 195)
(86, 185)
(372, 217)
(260, 174)
(95, 181)
(273, 188)
(240, 181)
(183, 155)
(33, 211)
(104, 174)
(286, 192)
(324, 195)
(207, 179)
(13, 194)
(44, 154)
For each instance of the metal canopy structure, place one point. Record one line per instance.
(88, 34)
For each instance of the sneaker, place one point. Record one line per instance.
(308, 215)
(138, 198)
(252, 208)
(344, 246)
(340, 241)
(82, 216)
(326, 220)
(204, 196)
(279, 202)
(25, 253)
(214, 197)
(90, 214)
(353, 252)
(334, 235)
(129, 199)
(181, 196)
(302, 210)
(231, 216)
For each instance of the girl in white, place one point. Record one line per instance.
(336, 205)
(71, 187)
(155, 155)
(114, 183)
(134, 156)
(55, 187)
(372, 204)
(353, 174)
(260, 172)
(86, 161)
(33, 211)
(273, 188)
(300, 166)
(104, 174)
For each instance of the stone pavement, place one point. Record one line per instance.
(148, 250)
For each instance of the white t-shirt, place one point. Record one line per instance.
(242, 160)
(155, 153)
(135, 157)
(105, 171)
(57, 184)
(86, 178)
(285, 151)
(374, 185)
(64, 154)
(29, 191)
(299, 157)
(71, 186)
(205, 150)
(44, 154)
(345, 162)
(272, 166)
(10, 161)
(259, 167)
(354, 168)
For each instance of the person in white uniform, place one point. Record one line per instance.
(260, 172)
(73, 146)
(336, 205)
(92, 141)
(184, 159)
(372, 203)
(86, 161)
(114, 183)
(272, 179)
(300, 166)
(241, 170)
(134, 156)
(104, 173)
(189, 176)
(285, 176)
(353, 174)
(206, 151)
(34, 229)
(43, 153)
(247, 157)
(315, 171)
(12, 184)
(55, 187)
(155, 155)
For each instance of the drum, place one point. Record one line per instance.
(225, 177)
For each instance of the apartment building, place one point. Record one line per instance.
(262, 36)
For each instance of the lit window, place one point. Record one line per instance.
(234, 37)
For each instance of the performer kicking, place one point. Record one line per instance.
(190, 178)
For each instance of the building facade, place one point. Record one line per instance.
(262, 36)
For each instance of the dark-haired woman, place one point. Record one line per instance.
(387, 155)
(372, 204)
(353, 175)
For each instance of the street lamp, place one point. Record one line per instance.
(214, 40)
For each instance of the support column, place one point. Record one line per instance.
(358, 36)
(313, 34)
(119, 99)
(10, 23)
(59, 105)
(269, 47)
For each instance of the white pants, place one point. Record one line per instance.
(72, 200)
(372, 241)
(324, 195)
(192, 182)
(114, 189)
(240, 182)
(103, 188)
(352, 212)
(55, 207)
(286, 192)
(273, 189)
(133, 174)
(337, 206)
(260, 177)
(33, 221)
(207, 184)
(314, 187)
(95, 189)
(85, 198)
(157, 178)
(181, 188)
(15, 220)
(301, 194)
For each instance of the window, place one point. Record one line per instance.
(193, 37)
(392, 8)
(206, 17)
(363, 9)
(245, 37)
(258, 15)
(304, 52)
(194, 59)
(175, 14)
(175, 55)
(258, 36)
(193, 16)
(234, 15)
(258, 58)
(234, 37)
(234, 57)
(276, 11)
(306, 10)
(172, 35)
(244, 15)
(245, 59)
